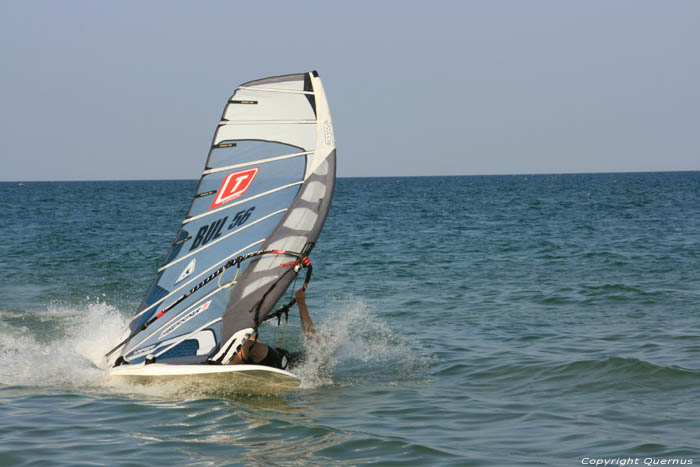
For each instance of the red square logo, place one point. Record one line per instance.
(233, 186)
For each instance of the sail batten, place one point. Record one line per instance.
(266, 122)
(276, 90)
(232, 205)
(260, 204)
(259, 161)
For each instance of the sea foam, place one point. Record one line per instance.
(64, 347)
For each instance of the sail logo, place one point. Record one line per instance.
(185, 318)
(187, 271)
(328, 133)
(233, 186)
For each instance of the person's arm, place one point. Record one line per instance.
(306, 324)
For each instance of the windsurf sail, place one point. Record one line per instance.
(259, 207)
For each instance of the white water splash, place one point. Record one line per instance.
(74, 358)
(351, 342)
(30, 357)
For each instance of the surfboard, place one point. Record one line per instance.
(261, 202)
(244, 379)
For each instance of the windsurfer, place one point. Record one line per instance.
(257, 353)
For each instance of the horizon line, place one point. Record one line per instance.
(369, 176)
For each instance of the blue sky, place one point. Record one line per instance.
(133, 90)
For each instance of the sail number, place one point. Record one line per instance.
(240, 218)
(212, 231)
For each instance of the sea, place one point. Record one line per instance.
(468, 320)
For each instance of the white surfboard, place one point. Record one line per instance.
(244, 379)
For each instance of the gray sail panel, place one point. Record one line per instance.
(292, 81)
(265, 280)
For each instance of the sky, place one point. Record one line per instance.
(133, 90)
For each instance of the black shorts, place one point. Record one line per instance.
(280, 358)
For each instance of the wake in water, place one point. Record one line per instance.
(73, 358)
(64, 347)
(72, 354)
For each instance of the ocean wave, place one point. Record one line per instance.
(612, 374)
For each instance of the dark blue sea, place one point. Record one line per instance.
(498, 320)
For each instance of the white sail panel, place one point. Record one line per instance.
(249, 104)
(301, 134)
